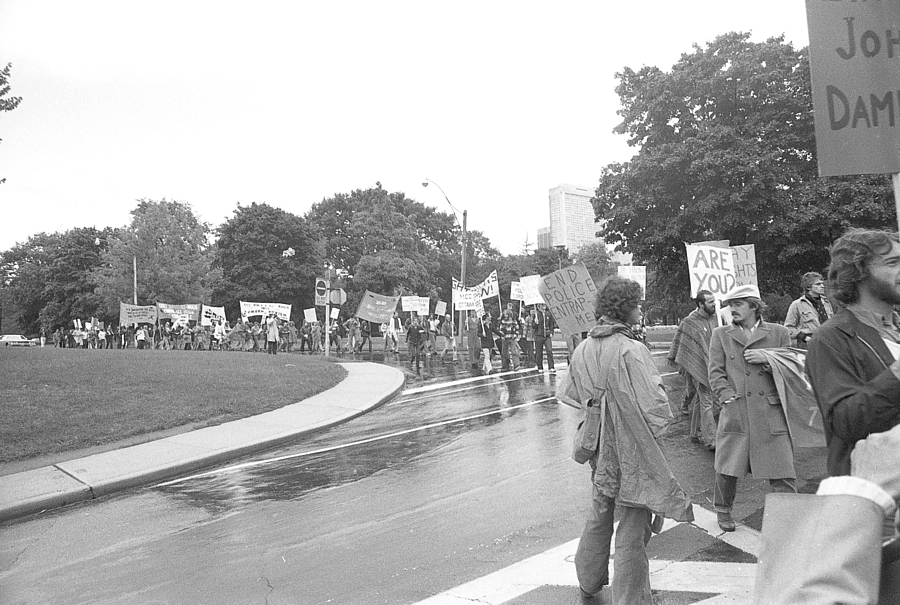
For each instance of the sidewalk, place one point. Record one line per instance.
(366, 386)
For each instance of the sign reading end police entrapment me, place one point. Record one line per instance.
(569, 294)
(854, 56)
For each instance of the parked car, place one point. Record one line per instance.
(17, 340)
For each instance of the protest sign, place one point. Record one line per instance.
(531, 294)
(134, 314)
(569, 294)
(253, 309)
(409, 303)
(855, 86)
(210, 315)
(335, 312)
(711, 268)
(490, 286)
(310, 315)
(636, 273)
(468, 300)
(179, 314)
(440, 308)
(744, 258)
(515, 291)
(376, 307)
(424, 305)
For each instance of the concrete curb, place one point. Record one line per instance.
(366, 387)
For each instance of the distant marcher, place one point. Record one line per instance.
(527, 324)
(272, 335)
(486, 336)
(544, 325)
(352, 327)
(474, 343)
(690, 352)
(448, 332)
(415, 342)
(365, 331)
(808, 312)
(752, 435)
(509, 332)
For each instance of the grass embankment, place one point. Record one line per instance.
(60, 400)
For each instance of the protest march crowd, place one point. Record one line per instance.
(755, 391)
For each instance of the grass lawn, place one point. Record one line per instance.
(59, 400)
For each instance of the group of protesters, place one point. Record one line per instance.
(752, 386)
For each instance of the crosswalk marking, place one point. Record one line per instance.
(733, 582)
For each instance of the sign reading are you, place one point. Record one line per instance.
(711, 269)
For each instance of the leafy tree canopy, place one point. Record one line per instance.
(727, 151)
(173, 252)
(50, 278)
(7, 103)
(266, 255)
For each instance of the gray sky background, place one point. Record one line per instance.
(288, 103)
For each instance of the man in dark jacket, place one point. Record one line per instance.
(543, 332)
(852, 360)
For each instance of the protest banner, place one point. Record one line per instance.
(515, 291)
(468, 300)
(490, 286)
(744, 258)
(253, 309)
(310, 315)
(711, 268)
(440, 308)
(179, 314)
(210, 315)
(376, 307)
(530, 292)
(855, 86)
(409, 303)
(569, 294)
(135, 314)
(636, 273)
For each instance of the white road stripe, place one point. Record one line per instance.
(332, 448)
(556, 567)
(445, 385)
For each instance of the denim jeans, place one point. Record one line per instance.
(631, 577)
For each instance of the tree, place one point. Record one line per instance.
(173, 253)
(389, 243)
(727, 151)
(49, 279)
(266, 255)
(7, 103)
(596, 259)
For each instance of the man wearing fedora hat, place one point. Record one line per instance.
(752, 436)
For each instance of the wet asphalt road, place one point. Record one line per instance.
(433, 489)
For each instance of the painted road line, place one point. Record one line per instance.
(556, 567)
(445, 385)
(237, 467)
(402, 400)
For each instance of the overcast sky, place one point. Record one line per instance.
(288, 103)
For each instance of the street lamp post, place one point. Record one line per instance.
(462, 277)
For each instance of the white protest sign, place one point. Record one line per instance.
(424, 305)
(409, 303)
(711, 268)
(530, 289)
(440, 308)
(335, 312)
(490, 286)
(467, 300)
(636, 273)
(310, 315)
(515, 291)
(209, 314)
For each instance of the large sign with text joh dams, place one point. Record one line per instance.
(854, 56)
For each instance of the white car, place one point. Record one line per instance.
(17, 340)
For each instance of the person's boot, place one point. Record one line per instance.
(726, 523)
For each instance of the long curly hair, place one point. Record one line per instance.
(851, 255)
(617, 298)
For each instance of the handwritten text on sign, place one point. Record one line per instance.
(853, 50)
(569, 294)
(711, 269)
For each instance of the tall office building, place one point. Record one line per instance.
(543, 238)
(572, 217)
